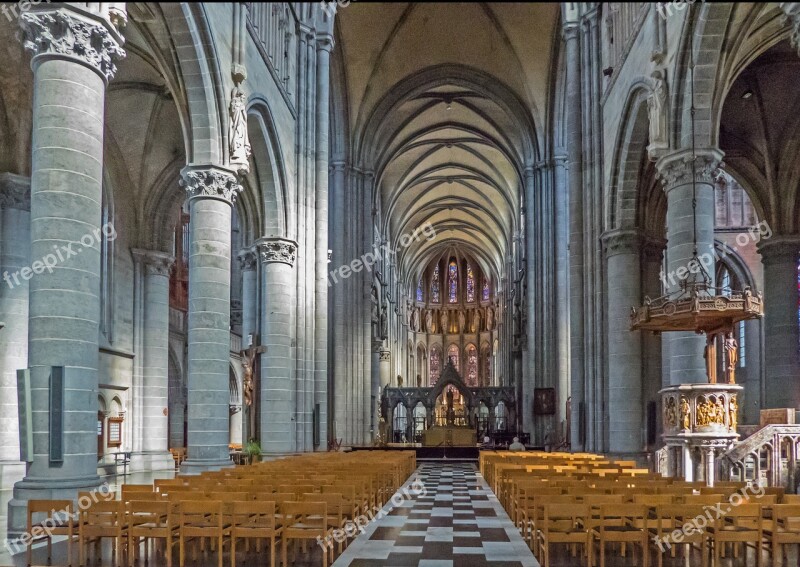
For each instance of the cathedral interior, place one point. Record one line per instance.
(510, 273)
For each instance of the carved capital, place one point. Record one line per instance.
(779, 249)
(93, 42)
(279, 250)
(622, 242)
(155, 263)
(653, 249)
(385, 355)
(676, 169)
(210, 181)
(792, 11)
(247, 260)
(15, 192)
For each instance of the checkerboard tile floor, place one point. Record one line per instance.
(456, 521)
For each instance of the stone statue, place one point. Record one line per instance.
(476, 321)
(733, 417)
(489, 318)
(399, 381)
(462, 321)
(732, 356)
(719, 413)
(384, 326)
(657, 112)
(671, 413)
(415, 319)
(238, 139)
(443, 319)
(419, 381)
(428, 321)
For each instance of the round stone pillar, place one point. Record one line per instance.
(248, 260)
(278, 381)
(72, 64)
(211, 191)
(154, 429)
(14, 255)
(779, 255)
(686, 363)
(623, 253)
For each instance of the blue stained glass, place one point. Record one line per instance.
(470, 284)
(435, 286)
(419, 289)
(452, 281)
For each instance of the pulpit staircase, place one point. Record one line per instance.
(771, 455)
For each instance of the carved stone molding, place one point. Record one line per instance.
(61, 32)
(248, 259)
(155, 263)
(675, 169)
(15, 192)
(385, 355)
(279, 250)
(210, 181)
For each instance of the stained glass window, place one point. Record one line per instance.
(741, 344)
(470, 284)
(452, 353)
(435, 287)
(487, 367)
(486, 290)
(452, 281)
(436, 365)
(419, 289)
(472, 366)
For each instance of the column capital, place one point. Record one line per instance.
(792, 11)
(71, 33)
(155, 262)
(622, 242)
(653, 248)
(325, 42)
(211, 182)
(15, 192)
(675, 169)
(277, 250)
(779, 248)
(248, 258)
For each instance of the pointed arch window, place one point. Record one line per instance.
(472, 366)
(452, 353)
(452, 281)
(435, 286)
(487, 290)
(470, 284)
(419, 289)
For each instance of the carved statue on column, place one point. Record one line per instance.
(733, 418)
(444, 321)
(462, 321)
(657, 111)
(686, 416)
(238, 138)
(732, 356)
(384, 325)
(489, 318)
(476, 321)
(414, 319)
(428, 321)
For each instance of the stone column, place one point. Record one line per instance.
(686, 348)
(211, 190)
(623, 253)
(154, 429)
(781, 336)
(72, 51)
(248, 260)
(14, 255)
(278, 394)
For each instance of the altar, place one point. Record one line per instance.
(447, 414)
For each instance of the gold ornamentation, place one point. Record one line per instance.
(671, 413)
(686, 415)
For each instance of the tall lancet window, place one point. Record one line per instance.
(452, 354)
(435, 361)
(486, 289)
(435, 286)
(419, 289)
(472, 366)
(452, 281)
(470, 284)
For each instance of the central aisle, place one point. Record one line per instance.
(456, 520)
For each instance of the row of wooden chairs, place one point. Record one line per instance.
(295, 499)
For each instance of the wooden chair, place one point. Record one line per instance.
(149, 520)
(55, 517)
(563, 523)
(99, 520)
(201, 519)
(619, 523)
(782, 529)
(254, 520)
(303, 521)
(740, 524)
(672, 517)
